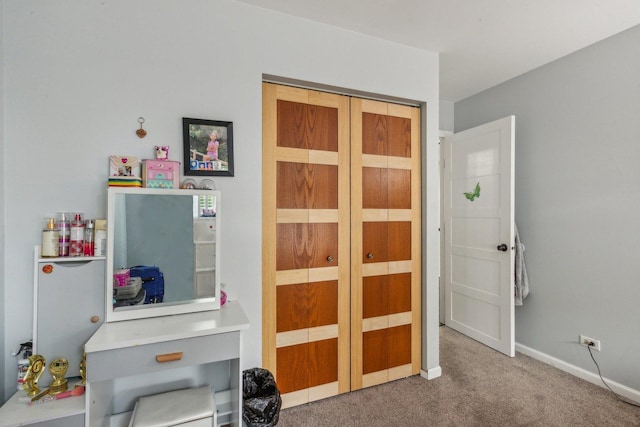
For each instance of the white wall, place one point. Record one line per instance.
(577, 200)
(446, 115)
(80, 72)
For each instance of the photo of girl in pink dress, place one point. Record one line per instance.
(212, 146)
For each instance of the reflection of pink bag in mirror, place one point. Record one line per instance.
(223, 297)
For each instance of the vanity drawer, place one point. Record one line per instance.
(142, 359)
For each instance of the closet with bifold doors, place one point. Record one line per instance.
(341, 242)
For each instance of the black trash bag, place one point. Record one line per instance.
(261, 399)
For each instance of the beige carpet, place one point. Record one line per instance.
(478, 387)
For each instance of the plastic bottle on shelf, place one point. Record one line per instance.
(89, 237)
(100, 239)
(64, 229)
(23, 361)
(50, 239)
(76, 237)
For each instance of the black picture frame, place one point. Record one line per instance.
(201, 156)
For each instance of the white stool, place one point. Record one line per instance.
(193, 407)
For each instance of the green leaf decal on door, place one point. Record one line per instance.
(476, 193)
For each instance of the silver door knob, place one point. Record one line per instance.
(370, 255)
(330, 258)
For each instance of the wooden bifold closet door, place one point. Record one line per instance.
(385, 242)
(341, 242)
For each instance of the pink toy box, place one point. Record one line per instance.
(160, 174)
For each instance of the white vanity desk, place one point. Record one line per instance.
(126, 360)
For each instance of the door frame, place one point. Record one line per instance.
(442, 277)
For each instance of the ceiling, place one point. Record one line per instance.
(481, 42)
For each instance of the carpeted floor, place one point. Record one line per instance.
(478, 387)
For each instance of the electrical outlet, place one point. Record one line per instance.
(585, 341)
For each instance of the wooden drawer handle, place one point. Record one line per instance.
(169, 357)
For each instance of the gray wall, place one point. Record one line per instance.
(577, 200)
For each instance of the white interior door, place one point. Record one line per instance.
(478, 178)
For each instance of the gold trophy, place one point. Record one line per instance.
(35, 371)
(83, 369)
(58, 369)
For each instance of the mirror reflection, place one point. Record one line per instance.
(162, 251)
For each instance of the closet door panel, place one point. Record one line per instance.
(374, 134)
(323, 245)
(306, 305)
(291, 247)
(399, 240)
(399, 344)
(374, 188)
(291, 184)
(375, 351)
(293, 307)
(306, 186)
(399, 185)
(384, 295)
(292, 367)
(399, 132)
(374, 242)
(322, 186)
(375, 294)
(399, 293)
(322, 123)
(322, 308)
(323, 362)
(307, 126)
(291, 125)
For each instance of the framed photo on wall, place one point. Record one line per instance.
(208, 147)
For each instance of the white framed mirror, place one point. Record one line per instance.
(159, 235)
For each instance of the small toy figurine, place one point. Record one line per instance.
(162, 153)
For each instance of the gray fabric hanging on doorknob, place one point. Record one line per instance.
(521, 279)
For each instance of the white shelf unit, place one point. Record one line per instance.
(68, 307)
(204, 250)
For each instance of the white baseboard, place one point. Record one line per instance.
(431, 373)
(593, 378)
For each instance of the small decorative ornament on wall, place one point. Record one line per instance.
(208, 147)
(475, 194)
(141, 132)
